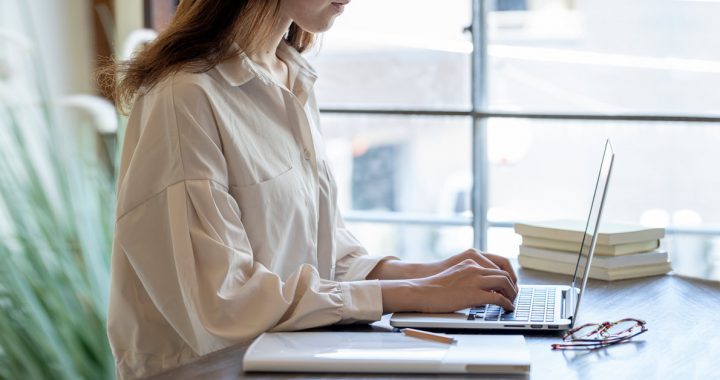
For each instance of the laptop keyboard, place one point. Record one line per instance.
(531, 305)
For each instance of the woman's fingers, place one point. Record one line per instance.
(495, 299)
(498, 272)
(504, 264)
(499, 284)
(469, 283)
(479, 258)
(492, 261)
(488, 279)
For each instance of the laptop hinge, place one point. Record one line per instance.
(567, 305)
(570, 297)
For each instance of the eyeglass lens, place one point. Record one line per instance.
(623, 328)
(595, 331)
(585, 332)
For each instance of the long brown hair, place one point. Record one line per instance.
(200, 36)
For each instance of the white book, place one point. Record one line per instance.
(606, 262)
(600, 249)
(595, 272)
(574, 230)
(386, 352)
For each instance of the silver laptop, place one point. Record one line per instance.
(537, 307)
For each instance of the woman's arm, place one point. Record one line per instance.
(399, 270)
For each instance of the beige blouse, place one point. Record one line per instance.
(227, 221)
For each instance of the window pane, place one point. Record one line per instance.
(547, 168)
(695, 256)
(418, 166)
(604, 56)
(409, 53)
(401, 163)
(664, 174)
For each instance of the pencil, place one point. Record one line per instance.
(428, 336)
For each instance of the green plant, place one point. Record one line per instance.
(56, 219)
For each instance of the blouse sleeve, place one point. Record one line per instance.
(182, 233)
(352, 261)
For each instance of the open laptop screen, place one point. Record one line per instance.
(587, 248)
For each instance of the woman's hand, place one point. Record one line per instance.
(484, 259)
(397, 270)
(465, 284)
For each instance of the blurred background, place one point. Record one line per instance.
(440, 138)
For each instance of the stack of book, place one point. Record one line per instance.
(622, 251)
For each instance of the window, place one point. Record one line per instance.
(561, 76)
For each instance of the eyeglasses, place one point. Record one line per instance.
(598, 335)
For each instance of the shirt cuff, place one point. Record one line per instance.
(362, 301)
(363, 265)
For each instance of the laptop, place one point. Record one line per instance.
(537, 307)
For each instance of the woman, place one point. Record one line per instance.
(227, 221)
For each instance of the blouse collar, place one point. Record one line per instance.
(240, 69)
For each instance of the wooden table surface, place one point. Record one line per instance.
(683, 340)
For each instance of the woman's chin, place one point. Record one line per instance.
(320, 27)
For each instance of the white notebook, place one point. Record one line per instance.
(380, 352)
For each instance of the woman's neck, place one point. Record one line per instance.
(265, 55)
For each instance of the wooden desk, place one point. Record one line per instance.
(683, 341)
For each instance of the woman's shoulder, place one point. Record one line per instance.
(182, 85)
(181, 90)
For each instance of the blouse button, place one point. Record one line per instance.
(306, 154)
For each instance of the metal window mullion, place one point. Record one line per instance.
(524, 115)
(479, 125)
